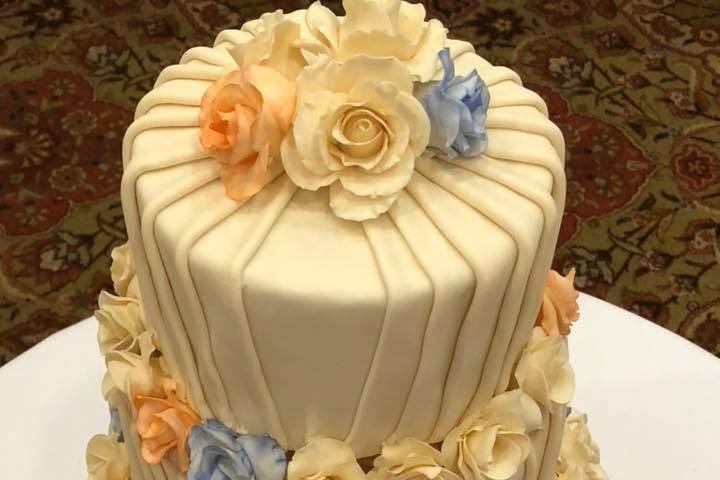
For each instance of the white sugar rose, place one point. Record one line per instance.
(494, 443)
(106, 459)
(410, 459)
(579, 456)
(358, 129)
(274, 45)
(120, 323)
(381, 28)
(324, 459)
(544, 371)
(134, 373)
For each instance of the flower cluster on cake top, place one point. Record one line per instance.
(346, 102)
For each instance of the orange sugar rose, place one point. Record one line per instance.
(243, 119)
(164, 423)
(559, 304)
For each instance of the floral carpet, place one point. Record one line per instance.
(634, 85)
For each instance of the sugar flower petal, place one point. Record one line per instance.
(457, 108)
(544, 371)
(559, 307)
(579, 457)
(215, 450)
(410, 458)
(324, 458)
(106, 459)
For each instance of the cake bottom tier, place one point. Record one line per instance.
(540, 464)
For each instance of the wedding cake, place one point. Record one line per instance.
(340, 235)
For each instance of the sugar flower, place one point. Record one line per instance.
(120, 323)
(131, 372)
(218, 452)
(358, 129)
(579, 456)
(243, 118)
(410, 459)
(559, 304)
(106, 459)
(122, 272)
(457, 108)
(544, 370)
(494, 443)
(274, 44)
(380, 28)
(163, 423)
(324, 459)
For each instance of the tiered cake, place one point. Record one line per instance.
(340, 234)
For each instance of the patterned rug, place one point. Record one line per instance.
(634, 86)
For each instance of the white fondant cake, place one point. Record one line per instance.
(280, 314)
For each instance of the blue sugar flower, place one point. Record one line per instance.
(457, 109)
(116, 426)
(218, 453)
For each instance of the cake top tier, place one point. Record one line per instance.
(341, 225)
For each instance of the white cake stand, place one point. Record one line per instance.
(652, 397)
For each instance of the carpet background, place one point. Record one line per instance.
(634, 85)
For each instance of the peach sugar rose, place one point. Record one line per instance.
(243, 119)
(164, 423)
(559, 304)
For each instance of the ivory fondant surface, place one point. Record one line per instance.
(282, 318)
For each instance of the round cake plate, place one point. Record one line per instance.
(653, 400)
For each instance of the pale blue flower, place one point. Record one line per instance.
(116, 426)
(457, 109)
(218, 453)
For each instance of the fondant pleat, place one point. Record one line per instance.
(528, 120)
(408, 298)
(512, 146)
(195, 71)
(212, 56)
(158, 155)
(182, 117)
(556, 427)
(231, 339)
(453, 284)
(539, 440)
(501, 173)
(179, 92)
(492, 262)
(509, 93)
(228, 38)
(175, 232)
(524, 225)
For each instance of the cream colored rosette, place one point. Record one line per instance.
(275, 44)
(410, 459)
(579, 456)
(381, 28)
(134, 373)
(493, 443)
(358, 129)
(544, 371)
(120, 323)
(324, 459)
(106, 459)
